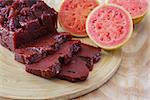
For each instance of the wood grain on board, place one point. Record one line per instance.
(15, 83)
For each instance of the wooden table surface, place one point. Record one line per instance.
(132, 80)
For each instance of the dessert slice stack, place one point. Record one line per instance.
(29, 29)
(36, 50)
(51, 65)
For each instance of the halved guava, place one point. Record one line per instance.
(73, 14)
(137, 8)
(109, 26)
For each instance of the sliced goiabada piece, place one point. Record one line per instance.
(51, 65)
(75, 71)
(90, 55)
(38, 49)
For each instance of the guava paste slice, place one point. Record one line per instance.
(90, 55)
(75, 71)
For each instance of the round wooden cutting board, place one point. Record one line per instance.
(15, 83)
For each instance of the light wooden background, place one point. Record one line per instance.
(132, 80)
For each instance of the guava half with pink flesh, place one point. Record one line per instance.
(109, 26)
(73, 14)
(137, 8)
